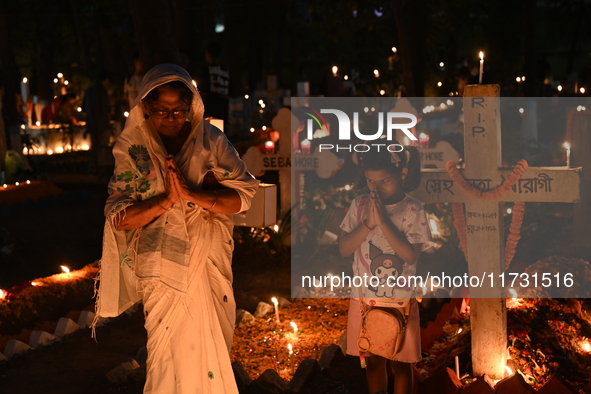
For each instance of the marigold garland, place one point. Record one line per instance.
(514, 231)
(517, 213)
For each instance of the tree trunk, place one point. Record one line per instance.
(531, 82)
(233, 45)
(573, 46)
(10, 81)
(154, 32)
(411, 45)
(80, 37)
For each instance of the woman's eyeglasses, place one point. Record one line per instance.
(176, 114)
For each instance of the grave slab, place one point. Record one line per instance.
(41, 338)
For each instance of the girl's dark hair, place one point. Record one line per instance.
(185, 93)
(382, 160)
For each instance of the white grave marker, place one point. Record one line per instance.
(439, 155)
(484, 219)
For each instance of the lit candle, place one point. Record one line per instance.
(458, 367)
(65, 269)
(434, 230)
(481, 67)
(276, 303)
(567, 146)
(25, 89)
(290, 348)
(295, 328)
(335, 69)
(269, 147)
(586, 347)
(423, 140)
(306, 146)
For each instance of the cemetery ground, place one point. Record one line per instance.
(545, 336)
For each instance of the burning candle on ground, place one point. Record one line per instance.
(567, 146)
(306, 146)
(423, 140)
(276, 303)
(291, 366)
(295, 329)
(481, 54)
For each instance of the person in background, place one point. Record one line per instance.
(214, 84)
(132, 83)
(61, 110)
(98, 120)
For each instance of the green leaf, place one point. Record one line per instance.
(128, 191)
(144, 185)
(126, 176)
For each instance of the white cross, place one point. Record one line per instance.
(482, 154)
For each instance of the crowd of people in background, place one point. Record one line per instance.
(95, 109)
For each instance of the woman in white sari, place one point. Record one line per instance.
(168, 237)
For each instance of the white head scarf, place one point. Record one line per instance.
(160, 75)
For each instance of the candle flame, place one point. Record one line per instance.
(566, 145)
(290, 348)
(586, 346)
(433, 224)
(335, 69)
(3, 294)
(65, 269)
(25, 80)
(460, 331)
(35, 284)
(295, 327)
(270, 144)
(275, 301)
(481, 54)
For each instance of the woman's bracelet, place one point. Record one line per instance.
(367, 227)
(215, 201)
(158, 203)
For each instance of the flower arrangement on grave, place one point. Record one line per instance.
(496, 193)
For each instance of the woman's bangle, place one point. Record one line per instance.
(215, 201)
(158, 203)
(367, 227)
